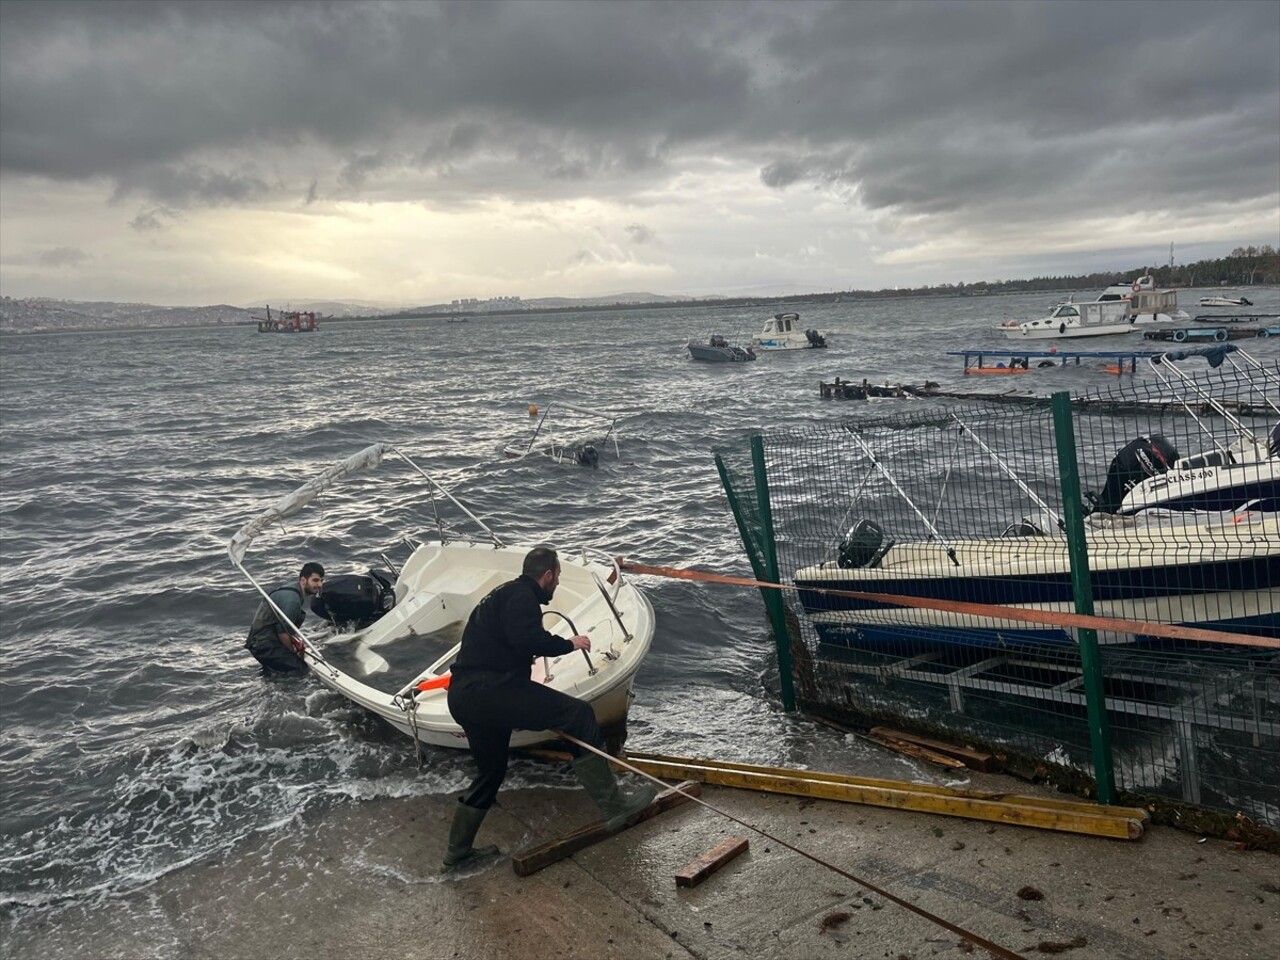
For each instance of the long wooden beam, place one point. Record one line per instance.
(1046, 813)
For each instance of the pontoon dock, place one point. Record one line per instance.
(1021, 361)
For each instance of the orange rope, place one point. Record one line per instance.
(1053, 618)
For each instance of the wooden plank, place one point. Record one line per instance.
(694, 872)
(915, 750)
(532, 859)
(974, 759)
(1043, 813)
(643, 761)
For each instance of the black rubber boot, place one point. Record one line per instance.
(466, 823)
(616, 805)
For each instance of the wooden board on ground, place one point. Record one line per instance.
(973, 759)
(694, 872)
(532, 859)
(1047, 813)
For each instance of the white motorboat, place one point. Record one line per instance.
(1225, 302)
(783, 332)
(1146, 303)
(1232, 474)
(1073, 320)
(569, 434)
(396, 665)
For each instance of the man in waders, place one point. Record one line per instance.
(273, 642)
(491, 694)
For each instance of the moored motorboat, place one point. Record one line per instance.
(1073, 320)
(395, 662)
(1191, 569)
(1242, 472)
(1225, 302)
(718, 349)
(782, 331)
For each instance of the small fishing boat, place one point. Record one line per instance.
(783, 332)
(719, 350)
(393, 657)
(569, 434)
(1225, 302)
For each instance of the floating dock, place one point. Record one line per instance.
(1022, 361)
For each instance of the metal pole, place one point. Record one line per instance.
(1077, 550)
(772, 598)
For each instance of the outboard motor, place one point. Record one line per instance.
(588, 456)
(350, 600)
(1136, 461)
(862, 546)
(815, 338)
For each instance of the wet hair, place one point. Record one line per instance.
(310, 569)
(538, 561)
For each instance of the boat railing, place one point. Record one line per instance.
(1166, 368)
(559, 449)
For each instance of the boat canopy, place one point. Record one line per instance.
(292, 503)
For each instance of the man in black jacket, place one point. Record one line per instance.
(491, 694)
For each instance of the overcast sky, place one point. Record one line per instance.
(207, 152)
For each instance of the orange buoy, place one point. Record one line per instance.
(533, 409)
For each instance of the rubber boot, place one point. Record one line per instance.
(616, 805)
(466, 823)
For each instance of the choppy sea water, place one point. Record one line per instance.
(139, 737)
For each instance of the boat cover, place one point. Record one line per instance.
(292, 503)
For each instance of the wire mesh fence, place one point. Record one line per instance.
(1179, 524)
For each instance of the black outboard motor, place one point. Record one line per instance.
(587, 456)
(350, 600)
(862, 546)
(1136, 461)
(815, 338)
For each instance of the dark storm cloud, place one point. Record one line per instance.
(926, 108)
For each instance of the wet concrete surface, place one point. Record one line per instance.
(364, 881)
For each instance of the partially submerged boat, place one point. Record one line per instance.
(783, 332)
(1225, 302)
(395, 662)
(718, 349)
(569, 434)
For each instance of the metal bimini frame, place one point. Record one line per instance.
(1249, 368)
(964, 431)
(294, 503)
(558, 450)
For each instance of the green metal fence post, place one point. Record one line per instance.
(1090, 659)
(772, 598)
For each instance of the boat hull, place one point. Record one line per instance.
(1225, 580)
(381, 668)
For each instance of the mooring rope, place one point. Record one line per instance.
(1051, 617)
(978, 941)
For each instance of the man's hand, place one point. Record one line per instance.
(581, 642)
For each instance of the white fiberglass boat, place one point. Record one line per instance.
(1241, 472)
(397, 665)
(1072, 320)
(783, 332)
(1225, 302)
